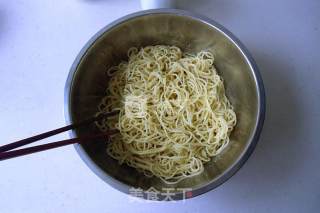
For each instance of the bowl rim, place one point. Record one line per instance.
(253, 140)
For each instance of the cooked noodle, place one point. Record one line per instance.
(174, 115)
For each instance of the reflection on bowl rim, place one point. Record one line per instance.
(223, 177)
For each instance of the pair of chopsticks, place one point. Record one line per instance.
(6, 153)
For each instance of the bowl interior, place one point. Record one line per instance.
(191, 35)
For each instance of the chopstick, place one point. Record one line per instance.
(4, 150)
(43, 147)
(54, 132)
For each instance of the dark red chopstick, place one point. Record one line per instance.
(39, 148)
(32, 139)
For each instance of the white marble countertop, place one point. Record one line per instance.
(38, 43)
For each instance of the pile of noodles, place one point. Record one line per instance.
(174, 114)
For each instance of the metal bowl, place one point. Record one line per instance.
(87, 82)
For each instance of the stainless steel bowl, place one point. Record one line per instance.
(86, 85)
